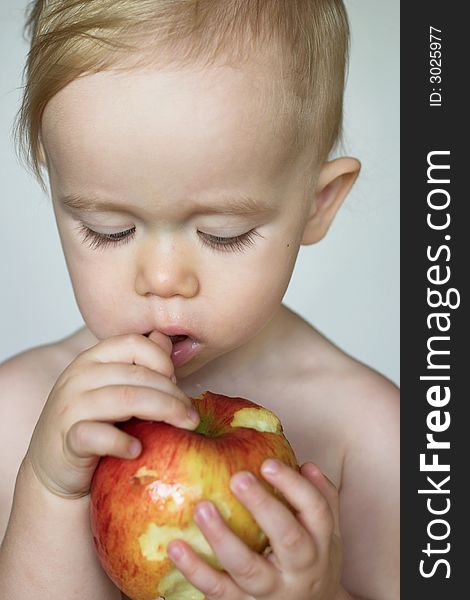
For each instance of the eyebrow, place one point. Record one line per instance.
(242, 205)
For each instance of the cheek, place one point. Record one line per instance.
(245, 299)
(100, 293)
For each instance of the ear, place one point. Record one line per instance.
(334, 181)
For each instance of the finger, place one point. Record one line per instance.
(120, 373)
(326, 487)
(212, 583)
(89, 438)
(132, 348)
(292, 545)
(313, 509)
(161, 340)
(114, 403)
(253, 573)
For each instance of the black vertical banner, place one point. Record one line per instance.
(435, 268)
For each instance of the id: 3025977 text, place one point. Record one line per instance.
(435, 66)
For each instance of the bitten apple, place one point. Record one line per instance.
(138, 506)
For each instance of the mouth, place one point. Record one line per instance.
(174, 338)
(178, 338)
(184, 347)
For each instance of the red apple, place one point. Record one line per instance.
(138, 506)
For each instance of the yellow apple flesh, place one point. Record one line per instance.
(138, 506)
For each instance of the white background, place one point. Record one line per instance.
(347, 286)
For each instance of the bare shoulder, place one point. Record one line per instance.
(356, 394)
(354, 412)
(25, 382)
(343, 395)
(27, 376)
(370, 490)
(364, 407)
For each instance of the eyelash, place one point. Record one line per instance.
(233, 244)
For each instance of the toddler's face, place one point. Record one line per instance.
(173, 158)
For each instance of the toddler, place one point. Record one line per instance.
(187, 145)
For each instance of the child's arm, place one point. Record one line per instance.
(47, 552)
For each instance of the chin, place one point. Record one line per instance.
(187, 370)
(193, 366)
(201, 361)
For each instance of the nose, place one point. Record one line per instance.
(165, 269)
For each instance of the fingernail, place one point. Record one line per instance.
(270, 466)
(134, 448)
(205, 512)
(175, 552)
(242, 481)
(173, 378)
(193, 416)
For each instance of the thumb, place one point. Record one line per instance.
(165, 343)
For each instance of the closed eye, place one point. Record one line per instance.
(227, 244)
(238, 243)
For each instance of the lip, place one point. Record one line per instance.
(184, 351)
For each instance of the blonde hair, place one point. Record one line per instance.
(70, 38)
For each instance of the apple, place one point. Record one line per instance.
(138, 506)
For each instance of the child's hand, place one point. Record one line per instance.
(306, 557)
(118, 378)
